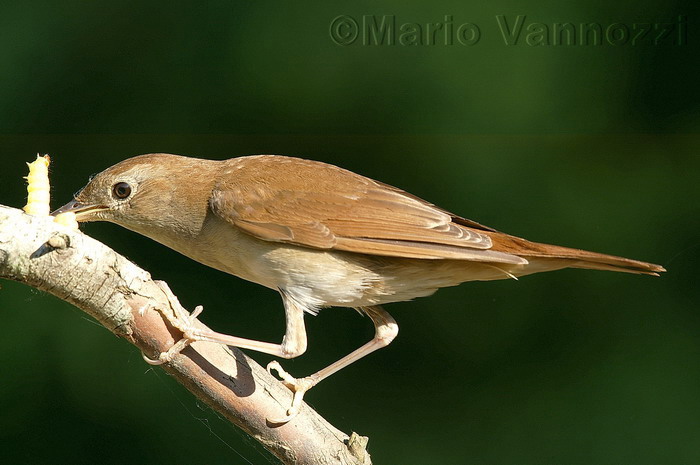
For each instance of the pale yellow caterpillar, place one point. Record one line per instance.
(38, 187)
(38, 190)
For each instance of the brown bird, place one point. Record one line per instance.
(320, 235)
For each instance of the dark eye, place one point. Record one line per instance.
(121, 190)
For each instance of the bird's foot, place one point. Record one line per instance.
(181, 320)
(169, 355)
(298, 386)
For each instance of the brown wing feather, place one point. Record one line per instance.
(326, 207)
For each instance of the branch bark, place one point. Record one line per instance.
(122, 297)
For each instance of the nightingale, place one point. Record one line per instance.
(319, 235)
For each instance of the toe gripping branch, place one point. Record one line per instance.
(298, 386)
(181, 320)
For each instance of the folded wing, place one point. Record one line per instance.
(325, 207)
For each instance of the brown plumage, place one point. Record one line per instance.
(320, 235)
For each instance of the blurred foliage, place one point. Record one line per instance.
(588, 146)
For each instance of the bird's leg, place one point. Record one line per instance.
(293, 344)
(386, 330)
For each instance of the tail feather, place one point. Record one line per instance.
(650, 269)
(575, 258)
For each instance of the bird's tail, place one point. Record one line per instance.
(568, 257)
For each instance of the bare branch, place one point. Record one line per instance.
(121, 296)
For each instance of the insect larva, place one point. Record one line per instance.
(38, 190)
(38, 187)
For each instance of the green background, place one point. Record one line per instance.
(595, 147)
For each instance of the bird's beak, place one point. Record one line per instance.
(82, 211)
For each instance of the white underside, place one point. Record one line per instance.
(319, 278)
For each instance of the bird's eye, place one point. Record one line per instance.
(121, 190)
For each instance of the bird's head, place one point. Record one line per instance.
(143, 193)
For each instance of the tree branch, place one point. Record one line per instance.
(121, 296)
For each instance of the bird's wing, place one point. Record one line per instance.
(312, 204)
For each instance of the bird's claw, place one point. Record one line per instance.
(298, 386)
(169, 355)
(185, 323)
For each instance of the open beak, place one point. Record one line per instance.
(82, 211)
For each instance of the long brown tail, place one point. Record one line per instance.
(576, 258)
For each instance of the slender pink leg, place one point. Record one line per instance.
(293, 344)
(386, 330)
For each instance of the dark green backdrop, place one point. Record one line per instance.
(593, 146)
